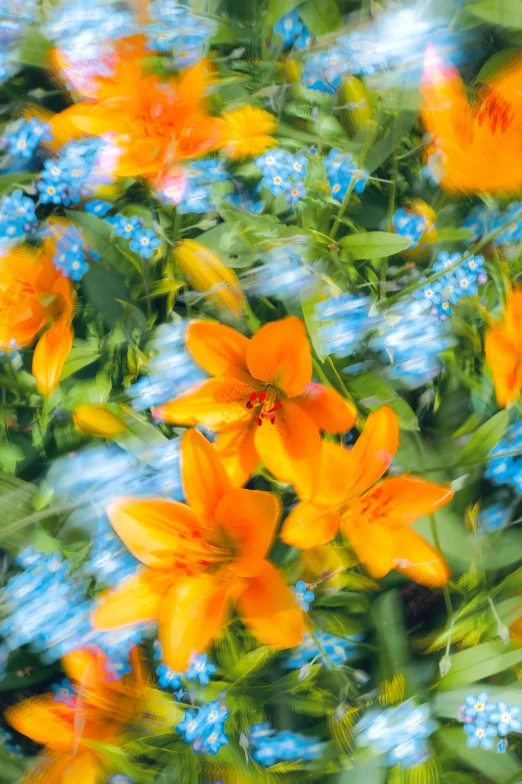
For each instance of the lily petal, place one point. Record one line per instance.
(291, 448)
(236, 448)
(329, 410)
(150, 527)
(205, 481)
(504, 359)
(45, 721)
(418, 560)
(50, 354)
(249, 519)
(309, 525)
(409, 499)
(215, 403)
(373, 544)
(218, 349)
(338, 470)
(135, 600)
(192, 614)
(267, 606)
(375, 449)
(280, 354)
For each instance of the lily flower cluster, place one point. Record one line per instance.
(485, 720)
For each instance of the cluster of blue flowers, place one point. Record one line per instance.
(16, 16)
(507, 470)
(109, 560)
(200, 670)
(270, 747)
(17, 218)
(71, 254)
(482, 221)
(284, 173)
(49, 609)
(176, 31)
(460, 281)
(345, 321)
(171, 372)
(329, 650)
(102, 473)
(21, 138)
(72, 175)
(243, 199)
(284, 275)
(198, 194)
(141, 240)
(342, 171)
(408, 224)
(484, 720)
(401, 733)
(355, 53)
(293, 31)
(204, 728)
(411, 344)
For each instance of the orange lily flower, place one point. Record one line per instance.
(478, 145)
(503, 348)
(154, 124)
(261, 400)
(373, 517)
(97, 711)
(33, 296)
(199, 557)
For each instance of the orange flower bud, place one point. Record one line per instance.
(97, 420)
(205, 272)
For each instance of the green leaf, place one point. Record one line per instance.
(83, 353)
(34, 50)
(497, 61)
(365, 771)
(103, 288)
(320, 16)
(479, 662)
(447, 704)
(373, 392)
(484, 439)
(507, 13)
(391, 630)
(14, 179)
(276, 9)
(374, 244)
(99, 235)
(498, 768)
(450, 234)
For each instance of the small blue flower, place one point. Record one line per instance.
(289, 26)
(276, 183)
(294, 193)
(49, 192)
(10, 351)
(98, 207)
(478, 706)
(200, 669)
(197, 200)
(505, 718)
(167, 678)
(275, 161)
(466, 283)
(125, 227)
(494, 518)
(64, 692)
(22, 137)
(410, 225)
(190, 726)
(303, 595)
(144, 242)
(480, 733)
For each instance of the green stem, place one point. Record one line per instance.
(36, 516)
(454, 466)
(445, 590)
